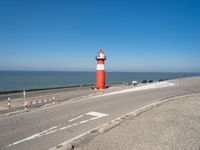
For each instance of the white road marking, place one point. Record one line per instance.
(84, 121)
(63, 128)
(96, 114)
(33, 136)
(54, 129)
(75, 118)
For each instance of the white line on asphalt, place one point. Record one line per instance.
(54, 129)
(84, 121)
(63, 128)
(75, 118)
(96, 114)
(33, 136)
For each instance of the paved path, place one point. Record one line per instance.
(174, 125)
(47, 127)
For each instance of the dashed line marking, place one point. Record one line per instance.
(55, 129)
(75, 118)
(63, 128)
(33, 136)
(84, 121)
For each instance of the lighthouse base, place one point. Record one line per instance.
(101, 88)
(100, 79)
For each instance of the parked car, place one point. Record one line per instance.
(126, 83)
(160, 80)
(150, 81)
(134, 83)
(144, 81)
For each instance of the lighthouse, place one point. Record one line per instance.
(100, 73)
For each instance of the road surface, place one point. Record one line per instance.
(47, 127)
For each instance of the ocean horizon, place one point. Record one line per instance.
(32, 80)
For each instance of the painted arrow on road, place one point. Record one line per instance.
(54, 129)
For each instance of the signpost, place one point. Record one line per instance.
(25, 104)
(24, 93)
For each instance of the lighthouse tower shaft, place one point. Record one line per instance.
(100, 72)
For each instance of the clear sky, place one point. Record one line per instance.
(142, 35)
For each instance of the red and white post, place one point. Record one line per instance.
(100, 72)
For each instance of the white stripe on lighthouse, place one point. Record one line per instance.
(100, 66)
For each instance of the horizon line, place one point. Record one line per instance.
(95, 71)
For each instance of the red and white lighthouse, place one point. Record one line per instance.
(100, 73)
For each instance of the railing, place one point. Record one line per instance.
(97, 57)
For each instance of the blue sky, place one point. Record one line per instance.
(143, 35)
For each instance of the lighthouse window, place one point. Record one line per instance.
(101, 55)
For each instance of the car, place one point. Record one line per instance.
(134, 83)
(160, 80)
(126, 83)
(150, 81)
(144, 81)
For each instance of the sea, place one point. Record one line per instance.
(33, 80)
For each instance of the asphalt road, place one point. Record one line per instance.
(60, 95)
(49, 126)
(174, 125)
